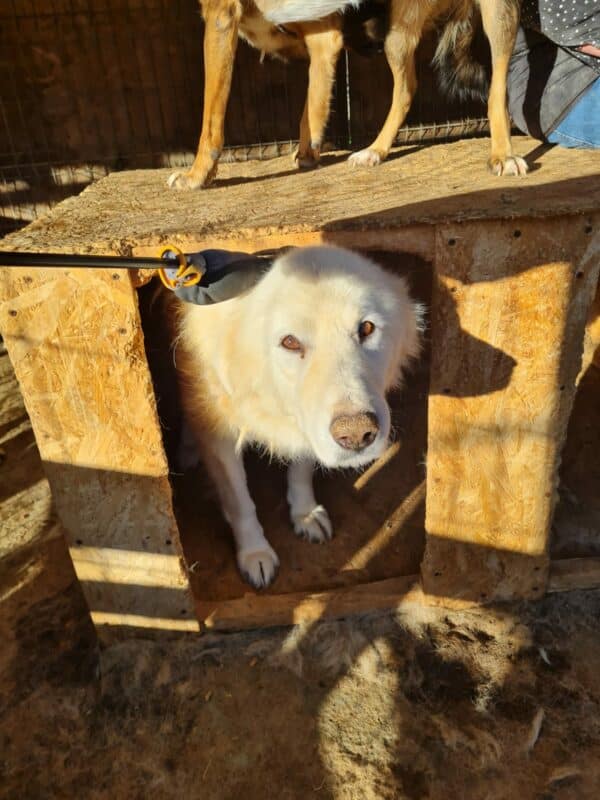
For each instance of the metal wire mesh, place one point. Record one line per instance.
(93, 86)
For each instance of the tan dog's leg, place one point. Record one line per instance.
(221, 19)
(407, 19)
(324, 44)
(501, 22)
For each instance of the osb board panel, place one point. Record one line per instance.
(259, 611)
(270, 203)
(38, 587)
(264, 610)
(34, 561)
(75, 341)
(511, 304)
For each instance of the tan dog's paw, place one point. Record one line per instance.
(314, 526)
(191, 180)
(365, 158)
(307, 159)
(512, 165)
(258, 567)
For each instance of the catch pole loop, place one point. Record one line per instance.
(183, 275)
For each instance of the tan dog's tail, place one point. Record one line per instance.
(462, 57)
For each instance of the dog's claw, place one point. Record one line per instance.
(512, 165)
(258, 567)
(314, 526)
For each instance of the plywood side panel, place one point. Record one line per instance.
(510, 309)
(75, 340)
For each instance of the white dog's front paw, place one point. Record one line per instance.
(314, 526)
(365, 158)
(258, 567)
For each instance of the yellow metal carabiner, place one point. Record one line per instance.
(185, 274)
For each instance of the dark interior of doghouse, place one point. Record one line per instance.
(576, 522)
(378, 514)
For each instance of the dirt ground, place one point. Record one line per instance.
(495, 704)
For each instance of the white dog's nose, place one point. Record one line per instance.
(355, 431)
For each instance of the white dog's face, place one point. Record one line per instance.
(340, 330)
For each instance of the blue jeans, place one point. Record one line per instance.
(581, 126)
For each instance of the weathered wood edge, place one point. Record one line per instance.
(262, 611)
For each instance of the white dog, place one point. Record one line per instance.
(299, 365)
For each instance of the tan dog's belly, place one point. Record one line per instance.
(285, 43)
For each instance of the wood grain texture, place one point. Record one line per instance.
(258, 611)
(393, 594)
(569, 574)
(270, 204)
(507, 337)
(74, 338)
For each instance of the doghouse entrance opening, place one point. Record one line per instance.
(377, 514)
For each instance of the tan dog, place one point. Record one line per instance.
(312, 31)
(298, 365)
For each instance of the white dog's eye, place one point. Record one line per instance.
(365, 329)
(291, 343)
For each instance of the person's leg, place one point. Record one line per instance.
(581, 126)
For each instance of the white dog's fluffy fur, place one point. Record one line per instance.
(241, 385)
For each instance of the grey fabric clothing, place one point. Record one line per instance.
(569, 23)
(547, 75)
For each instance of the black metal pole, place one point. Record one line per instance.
(58, 260)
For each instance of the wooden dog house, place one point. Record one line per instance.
(515, 269)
